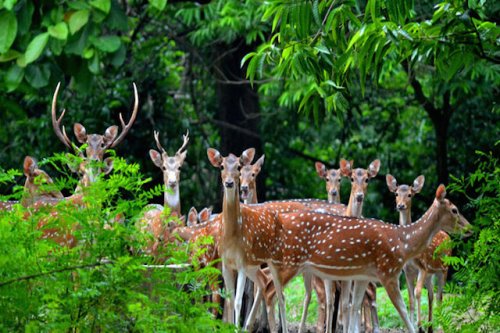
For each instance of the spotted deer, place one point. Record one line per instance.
(93, 163)
(170, 166)
(359, 185)
(248, 184)
(427, 263)
(360, 249)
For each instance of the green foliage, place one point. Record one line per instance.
(98, 284)
(475, 305)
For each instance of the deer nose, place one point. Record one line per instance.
(229, 183)
(244, 188)
(333, 192)
(401, 206)
(172, 183)
(359, 197)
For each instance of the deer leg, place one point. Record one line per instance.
(373, 307)
(422, 275)
(307, 300)
(345, 295)
(441, 281)
(228, 275)
(430, 299)
(319, 287)
(281, 297)
(240, 287)
(329, 305)
(411, 276)
(392, 288)
(357, 298)
(253, 312)
(367, 315)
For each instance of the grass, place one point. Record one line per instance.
(388, 316)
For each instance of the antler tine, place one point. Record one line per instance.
(56, 122)
(184, 144)
(158, 144)
(126, 128)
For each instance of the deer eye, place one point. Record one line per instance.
(352, 179)
(366, 180)
(396, 194)
(253, 174)
(338, 180)
(409, 195)
(454, 211)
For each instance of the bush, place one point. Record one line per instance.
(98, 285)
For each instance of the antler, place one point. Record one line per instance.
(56, 123)
(184, 144)
(157, 139)
(126, 128)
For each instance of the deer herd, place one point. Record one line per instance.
(330, 244)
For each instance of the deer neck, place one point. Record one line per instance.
(417, 236)
(231, 215)
(173, 200)
(354, 208)
(405, 216)
(252, 189)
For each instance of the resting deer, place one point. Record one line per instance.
(349, 248)
(427, 263)
(97, 145)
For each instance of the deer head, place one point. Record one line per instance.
(332, 178)
(230, 166)
(97, 144)
(38, 185)
(359, 183)
(451, 220)
(404, 194)
(170, 165)
(248, 176)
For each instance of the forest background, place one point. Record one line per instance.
(412, 83)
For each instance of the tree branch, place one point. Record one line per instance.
(60, 270)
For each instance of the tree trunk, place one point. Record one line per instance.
(441, 130)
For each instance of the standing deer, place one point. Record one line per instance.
(426, 264)
(171, 168)
(97, 145)
(360, 249)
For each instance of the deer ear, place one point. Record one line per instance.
(155, 157)
(320, 169)
(80, 132)
(205, 214)
(260, 161)
(418, 183)
(373, 168)
(108, 165)
(29, 166)
(345, 168)
(247, 156)
(392, 184)
(110, 134)
(192, 217)
(441, 193)
(214, 157)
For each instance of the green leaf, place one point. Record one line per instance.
(108, 44)
(9, 55)
(59, 31)
(93, 65)
(158, 4)
(102, 5)
(8, 28)
(78, 20)
(36, 47)
(37, 76)
(119, 56)
(9, 4)
(14, 77)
